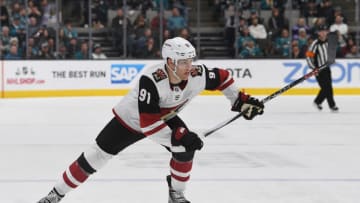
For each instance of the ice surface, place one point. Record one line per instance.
(291, 154)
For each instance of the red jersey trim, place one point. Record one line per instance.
(77, 172)
(124, 124)
(68, 182)
(181, 179)
(183, 167)
(155, 130)
(147, 119)
(227, 84)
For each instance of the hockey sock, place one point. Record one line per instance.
(180, 174)
(88, 163)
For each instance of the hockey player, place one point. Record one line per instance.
(150, 110)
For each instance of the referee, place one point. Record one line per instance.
(317, 56)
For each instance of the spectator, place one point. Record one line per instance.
(302, 38)
(266, 5)
(337, 12)
(101, 11)
(48, 13)
(242, 24)
(32, 51)
(347, 49)
(72, 48)
(244, 38)
(4, 14)
(147, 5)
(181, 6)
(250, 50)
(44, 52)
(13, 53)
(15, 8)
(23, 17)
(33, 26)
(166, 35)
(326, 9)
(34, 12)
(155, 23)
(166, 4)
(296, 53)
(311, 9)
(62, 54)
(41, 35)
(52, 46)
(319, 22)
(301, 23)
(339, 26)
(254, 15)
(150, 50)
(15, 25)
(97, 53)
(176, 21)
(5, 40)
(276, 23)
(257, 30)
(18, 30)
(230, 25)
(69, 32)
(84, 51)
(185, 33)
(353, 52)
(141, 42)
(341, 42)
(139, 27)
(15, 41)
(282, 44)
(117, 29)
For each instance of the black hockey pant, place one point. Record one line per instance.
(326, 89)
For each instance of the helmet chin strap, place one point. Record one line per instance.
(174, 71)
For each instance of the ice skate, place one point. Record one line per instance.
(52, 197)
(318, 106)
(175, 196)
(334, 109)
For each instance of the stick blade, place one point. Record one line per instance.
(332, 46)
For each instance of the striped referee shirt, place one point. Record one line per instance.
(317, 55)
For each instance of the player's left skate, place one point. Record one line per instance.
(52, 197)
(175, 196)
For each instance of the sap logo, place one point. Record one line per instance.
(341, 72)
(125, 73)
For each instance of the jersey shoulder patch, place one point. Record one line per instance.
(196, 71)
(159, 75)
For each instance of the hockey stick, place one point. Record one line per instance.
(332, 44)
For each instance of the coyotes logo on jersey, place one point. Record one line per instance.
(196, 71)
(159, 75)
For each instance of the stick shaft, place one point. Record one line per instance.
(332, 44)
(266, 99)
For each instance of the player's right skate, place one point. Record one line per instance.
(52, 197)
(175, 196)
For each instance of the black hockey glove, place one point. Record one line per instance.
(244, 101)
(191, 141)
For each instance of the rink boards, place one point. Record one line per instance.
(40, 78)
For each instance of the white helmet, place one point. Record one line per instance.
(177, 48)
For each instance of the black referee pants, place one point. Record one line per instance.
(326, 89)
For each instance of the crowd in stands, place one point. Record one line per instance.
(255, 36)
(31, 31)
(38, 19)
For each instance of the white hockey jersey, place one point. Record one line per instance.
(154, 100)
